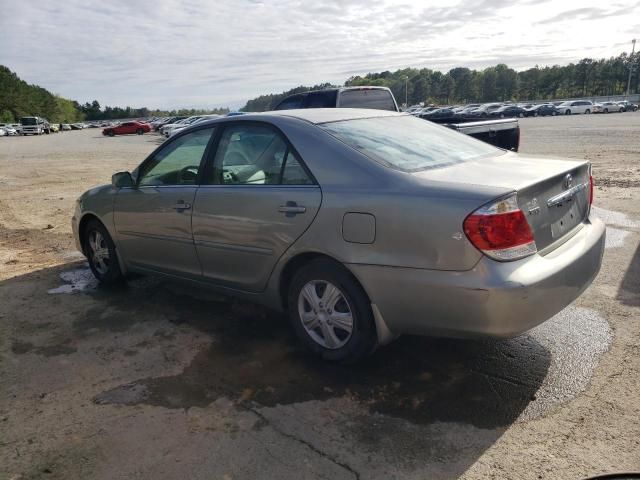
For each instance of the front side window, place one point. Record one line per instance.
(250, 154)
(178, 163)
(408, 143)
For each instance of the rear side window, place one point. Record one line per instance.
(290, 103)
(321, 99)
(408, 143)
(367, 98)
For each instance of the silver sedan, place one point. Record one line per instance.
(362, 225)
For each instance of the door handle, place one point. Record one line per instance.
(182, 206)
(291, 208)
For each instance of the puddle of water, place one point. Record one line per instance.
(77, 280)
(254, 358)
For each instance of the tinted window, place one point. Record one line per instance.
(292, 102)
(256, 155)
(178, 163)
(408, 143)
(321, 99)
(371, 98)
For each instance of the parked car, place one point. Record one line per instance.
(541, 110)
(127, 128)
(395, 225)
(483, 110)
(202, 118)
(628, 106)
(3, 132)
(8, 129)
(440, 115)
(379, 98)
(66, 126)
(168, 128)
(607, 107)
(575, 106)
(507, 111)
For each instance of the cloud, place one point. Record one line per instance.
(171, 53)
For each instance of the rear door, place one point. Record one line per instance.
(256, 201)
(153, 219)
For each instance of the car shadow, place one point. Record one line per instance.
(254, 360)
(629, 290)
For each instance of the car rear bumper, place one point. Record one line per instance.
(499, 299)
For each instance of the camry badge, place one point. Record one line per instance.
(568, 181)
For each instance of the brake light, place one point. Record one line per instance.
(500, 230)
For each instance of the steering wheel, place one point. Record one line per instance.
(229, 177)
(187, 175)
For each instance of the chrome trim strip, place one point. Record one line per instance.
(167, 238)
(566, 195)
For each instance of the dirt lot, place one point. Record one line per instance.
(154, 380)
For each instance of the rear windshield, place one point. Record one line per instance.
(408, 143)
(367, 98)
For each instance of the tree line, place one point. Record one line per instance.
(588, 77)
(20, 99)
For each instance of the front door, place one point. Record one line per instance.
(153, 219)
(258, 200)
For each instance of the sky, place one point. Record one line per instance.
(210, 53)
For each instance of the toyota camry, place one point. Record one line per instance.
(361, 224)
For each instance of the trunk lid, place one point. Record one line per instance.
(553, 194)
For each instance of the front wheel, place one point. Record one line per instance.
(140, 131)
(330, 312)
(554, 113)
(568, 112)
(587, 111)
(101, 253)
(111, 133)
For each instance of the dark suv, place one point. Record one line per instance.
(378, 98)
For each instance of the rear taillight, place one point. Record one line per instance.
(500, 230)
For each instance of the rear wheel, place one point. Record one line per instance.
(535, 114)
(521, 114)
(502, 115)
(606, 110)
(568, 112)
(330, 312)
(554, 113)
(111, 133)
(587, 111)
(101, 253)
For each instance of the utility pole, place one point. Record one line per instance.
(631, 65)
(406, 90)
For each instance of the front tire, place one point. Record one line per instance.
(568, 112)
(330, 312)
(587, 111)
(101, 253)
(140, 131)
(111, 133)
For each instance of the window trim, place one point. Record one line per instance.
(212, 151)
(165, 144)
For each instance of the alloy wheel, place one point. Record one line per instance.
(325, 314)
(99, 252)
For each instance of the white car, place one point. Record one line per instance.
(575, 106)
(179, 128)
(8, 129)
(607, 107)
(166, 129)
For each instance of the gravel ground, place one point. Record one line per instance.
(154, 380)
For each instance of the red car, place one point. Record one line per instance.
(127, 127)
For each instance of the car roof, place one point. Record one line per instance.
(313, 115)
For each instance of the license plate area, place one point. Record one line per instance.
(571, 217)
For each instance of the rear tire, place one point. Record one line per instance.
(101, 253)
(568, 112)
(338, 322)
(554, 113)
(111, 133)
(587, 111)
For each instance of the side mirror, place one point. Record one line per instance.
(121, 180)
